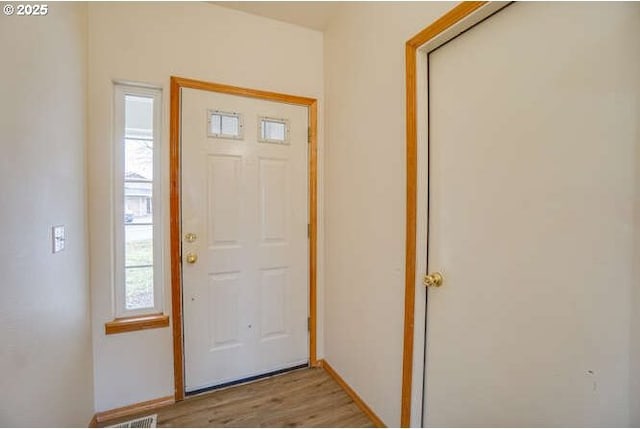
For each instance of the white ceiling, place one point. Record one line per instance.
(310, 14)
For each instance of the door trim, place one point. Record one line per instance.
(457, 20)
(177, 83)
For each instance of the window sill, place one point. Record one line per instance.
(138, 323)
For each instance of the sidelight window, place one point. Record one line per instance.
(138, 244)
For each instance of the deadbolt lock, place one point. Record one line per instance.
(190, 237)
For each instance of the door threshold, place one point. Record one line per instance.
(245, 380)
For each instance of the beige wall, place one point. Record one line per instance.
(44, 304)
(365, 195)
(148, 42)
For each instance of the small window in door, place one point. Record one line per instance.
(225, 125)
(271, 130)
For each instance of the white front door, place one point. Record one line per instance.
(533, 173)
(244, 217)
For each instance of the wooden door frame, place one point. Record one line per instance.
(177, 83)
(459, 19)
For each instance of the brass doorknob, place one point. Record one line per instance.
(192, 258)
(433, 280)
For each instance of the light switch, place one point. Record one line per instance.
(58, 238)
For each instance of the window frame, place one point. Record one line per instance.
(283, 121)
(221, 135)
(121, 91)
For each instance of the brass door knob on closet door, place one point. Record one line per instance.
(191, 258)
(433, 280)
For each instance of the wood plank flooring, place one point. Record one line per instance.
(302, 398)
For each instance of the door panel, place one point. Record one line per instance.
(224, 193)
(533, 141)
(224, 300)
(246, 297)
(273, 289)
(273, 200)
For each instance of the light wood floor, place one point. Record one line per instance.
(302, 398)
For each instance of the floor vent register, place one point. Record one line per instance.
(142, 422)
